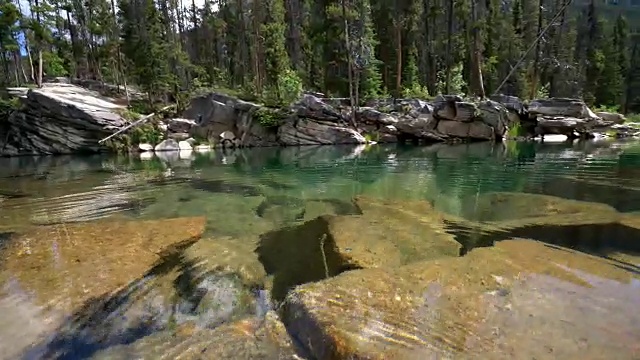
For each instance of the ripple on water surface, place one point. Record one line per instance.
(117, 258)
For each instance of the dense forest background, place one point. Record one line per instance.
(363, 49)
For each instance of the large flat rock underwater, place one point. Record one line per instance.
(371, 278)
(519, 299)
(552, 278)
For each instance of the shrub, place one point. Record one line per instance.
(7, 106)
(269, 117)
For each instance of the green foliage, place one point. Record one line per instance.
(53, 64)
(138, 107)
(146, 134)
(142, 134)
(268, 52)
(283, 84)
(633, 118)
(7, 106)
(371, 137)
(457, 84)
(607, 108)
(515, 130)
(416, 92)
(287, 90)
(371, 82)
(129, 114)
(146, 52)
(543, 92)
(269, 117)
(290, 86)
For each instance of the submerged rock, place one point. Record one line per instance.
(520, 299)
(80, 277)
(592, 228)
(68, 264)
(387, 234)
(212, 282)
(246, 339)
(513, 209)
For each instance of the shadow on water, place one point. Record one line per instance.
(300, 254)
(595, 239)
(144, 306)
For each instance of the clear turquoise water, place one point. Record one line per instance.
(105, 186)
(246, 193)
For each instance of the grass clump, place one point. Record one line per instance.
(7, 106)
(149, 133)
(270, 117)
(129, 114)
(514, 131)
(633, 118)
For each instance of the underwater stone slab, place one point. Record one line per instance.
(519, 299)
(226, 255)
(385, 235)
(213, 282)
(512, 209)
(391, 233)
(66, 265)
(245, 339)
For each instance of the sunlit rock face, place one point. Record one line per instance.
(520, 298)
(61, 119)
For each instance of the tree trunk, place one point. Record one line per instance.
(5, 61)
(27, 47)
(39, 44)
(477, 83)
(535, 73)
(398, 31)
(18, 67)
(349, 62)
(39, 80)
(447, 83)
(556, 74)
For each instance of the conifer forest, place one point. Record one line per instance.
(272, 49)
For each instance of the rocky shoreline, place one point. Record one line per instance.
(63, 118)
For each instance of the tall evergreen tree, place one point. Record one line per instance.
(269, 50)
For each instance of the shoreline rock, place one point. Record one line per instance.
(64, 119)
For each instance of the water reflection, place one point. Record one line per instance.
(81, 245)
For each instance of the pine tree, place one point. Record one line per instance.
(144, 48)
(620, 47)
(268, 51)
(279, 75)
